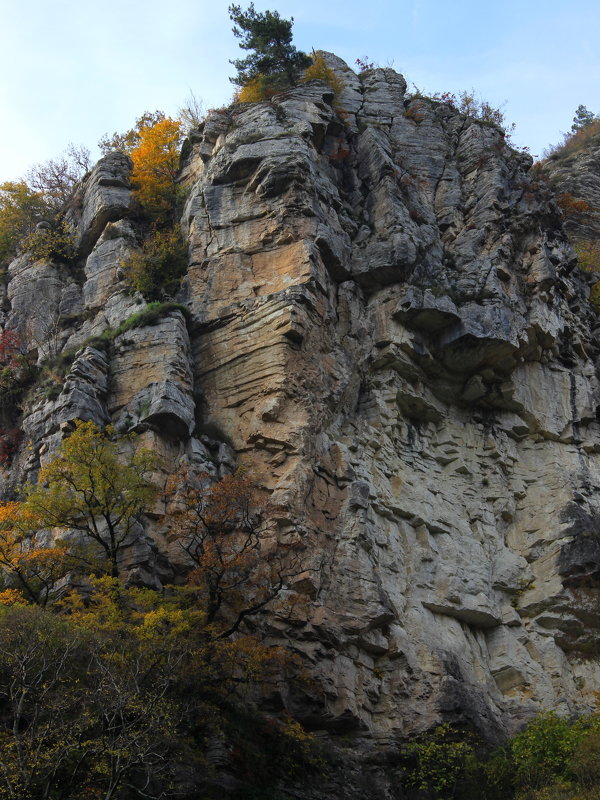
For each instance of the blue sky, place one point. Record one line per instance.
(73, 71)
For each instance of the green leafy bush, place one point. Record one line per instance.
(439, 760)
(543, 752)
(52, 242)
(156, 270)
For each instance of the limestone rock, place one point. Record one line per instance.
(387, 327)
(104, 262)
(151, 379)
(105, 197)
(449, 378)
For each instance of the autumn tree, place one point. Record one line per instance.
(115, 697)
(112, 694)
(221, 528)
(155, 168)
(21, 208)
(89, 701)
(42, 679)
(38, 198)
(273, 60)
(87, 487)
(28, 565)
(55, 179)
(126, 142)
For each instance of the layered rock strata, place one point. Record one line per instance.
(388, 327)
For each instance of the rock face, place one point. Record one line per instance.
(574, 171)
(389, 327)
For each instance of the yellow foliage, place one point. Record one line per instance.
(32, 568)
(156, 166)
(88, 481)
(21, 209)
(263, 87)
(10, 597)
(319, 71)
(588, 255)
(57, 242)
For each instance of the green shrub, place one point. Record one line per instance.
(543, 751)
(439, 761)
(488, 775)
(52, 242)
(149, 315)
(156, 270)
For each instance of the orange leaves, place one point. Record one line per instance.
(155, 167)
(9, 512)
(10, 597)
(222, 529)
(32, 568)
(257, 89)
(572, 206)
(236, 568)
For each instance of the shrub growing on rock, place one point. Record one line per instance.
(21, 208)
(52, 241)
(439, 762)
(157, 268)
(319, 71)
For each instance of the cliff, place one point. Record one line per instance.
(387, 326)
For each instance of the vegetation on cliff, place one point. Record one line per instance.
(111, 691)
(273, 63)
(550, 759)
(139, 691)
(564, 167)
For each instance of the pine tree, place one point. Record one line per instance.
(582, 118)
(270, 37)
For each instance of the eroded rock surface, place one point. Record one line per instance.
(389, 327)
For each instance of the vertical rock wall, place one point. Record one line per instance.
(388, 326)
(391, 330)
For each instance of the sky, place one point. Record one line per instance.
(73, 70)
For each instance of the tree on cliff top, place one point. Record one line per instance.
(126, 142)
(156, 167)
(582, 118)
(270, 37)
